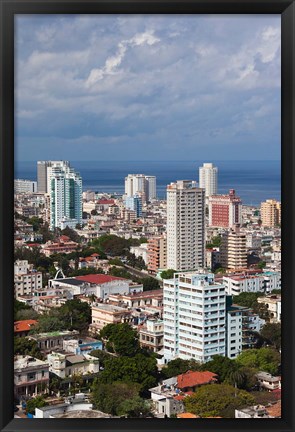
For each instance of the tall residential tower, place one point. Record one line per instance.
(185, 226)
(208, 174)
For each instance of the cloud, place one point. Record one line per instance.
(113, 62)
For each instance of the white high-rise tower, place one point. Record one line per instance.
(208, 174)
(185, 226)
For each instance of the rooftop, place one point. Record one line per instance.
(192, 379)
(23, 362)
(24, 325)
(99, 278)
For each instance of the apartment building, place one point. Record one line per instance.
(225, 211)
(26, 279)
(233, 250)
(157, 254)
(270, 213)
(208, 179)
(194, 317)
(185, 226)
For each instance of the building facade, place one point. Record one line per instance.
(225, 211)
(24, 186)
(185, 226)
(208, 179)
(270, 213)
(233, 250)
(142, 185)
(31, 377)
(194, 317)
(157, 254)
(65, 196)
(26, 279)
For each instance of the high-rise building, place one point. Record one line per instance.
(141, 184)
(134, 203)
(43, 173)
(185, 226)
(233, 249)
(270, 213)
(225, 211)
(65, 196)
(208, 179)
(157, 254)
(24, 186)
(194, 317)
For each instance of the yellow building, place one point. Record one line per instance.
(270, 213)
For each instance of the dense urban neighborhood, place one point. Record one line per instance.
(134, 306)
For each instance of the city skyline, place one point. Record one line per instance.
(119, 87)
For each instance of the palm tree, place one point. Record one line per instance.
(236, 378)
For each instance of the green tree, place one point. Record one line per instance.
(121, 339)
(139, 369)
(26, 314)
(37, 402)
(217, 400)
(25, 346)
(272, 333)
(263, 359)
(179, 366)
(116, 262)
(101, 355)
(150, 283)
(222, 366)
(167, 274)
(108, 397)
(75, 315)
(135, 407)
(72, 234)
(261, 265)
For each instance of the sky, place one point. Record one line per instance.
(147, 87)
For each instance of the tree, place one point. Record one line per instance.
(135, 407)
(26, 314)
(222, 366)
(217, 400)
(139, 369)
(69, 232)
(116, 261)
(101, 355)
(120, 339)
(263, 359)
(261, 264)
(179, 366)
(167, 274)
(25, 346)
(150, 283)
(108, 397)
(75, 314)
(37, 402)
(272, 333)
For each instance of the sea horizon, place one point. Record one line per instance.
(254, 180)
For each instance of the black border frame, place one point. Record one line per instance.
(7, 10)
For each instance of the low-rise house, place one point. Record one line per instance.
(31, 377)
(140, 299)
(53, 340)
(256, 411)
(103, 314)
(190, 380)
(169, 395)
(63, 245)
(273, 303)
(82, 347)
(151, 334)
(68, 365)
(23, 327)
(269, 382)
(73, 407)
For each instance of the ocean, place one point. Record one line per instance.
(254, 181)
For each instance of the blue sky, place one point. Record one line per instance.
(148, 87)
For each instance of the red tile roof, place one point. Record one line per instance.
(187, 415)
(275, 410)
(24, 325)
(99, 278)
(192, 379)
(106, 201)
